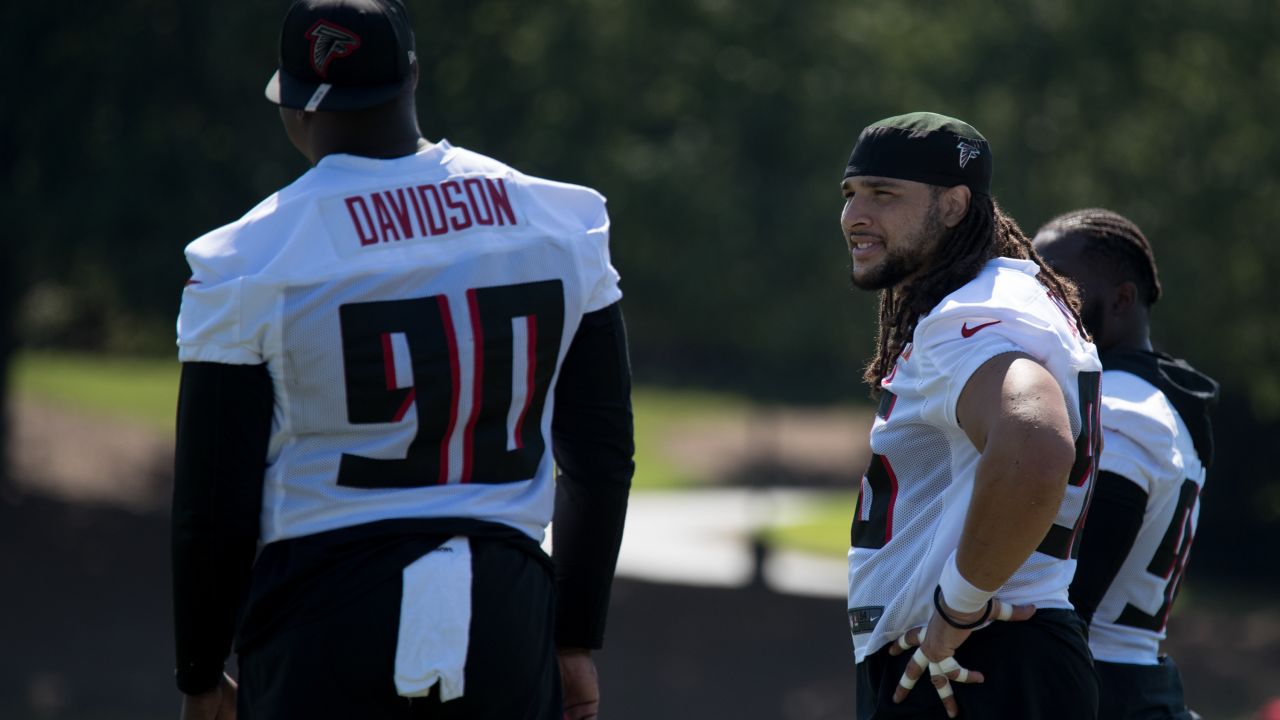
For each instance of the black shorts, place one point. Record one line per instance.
(340, 661)
(1039, 669)
(1140, 692)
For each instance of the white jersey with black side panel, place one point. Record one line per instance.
(413, 314)
(1147, 443)
(915, 494)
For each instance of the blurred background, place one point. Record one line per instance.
(719, 130)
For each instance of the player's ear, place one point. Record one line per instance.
(297, 124)
(1124, 297)
(954, 205)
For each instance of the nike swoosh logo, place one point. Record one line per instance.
(966, 331)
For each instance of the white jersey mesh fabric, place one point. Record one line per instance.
(923, 466)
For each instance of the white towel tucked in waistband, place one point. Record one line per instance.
(435, 622)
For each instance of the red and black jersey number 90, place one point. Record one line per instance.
(399, 354)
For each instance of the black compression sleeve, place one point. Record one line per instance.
(1115, 517)
(593, 443)
(224, 424)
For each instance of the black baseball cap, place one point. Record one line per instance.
(343, 54)
(925, 147)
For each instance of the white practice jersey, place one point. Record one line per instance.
(413, 314)
(915, 494)
(1147, 443)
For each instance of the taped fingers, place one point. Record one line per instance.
(1008, 612)
(909, 639)
(915, 670)
(954, 671)
(943, 686)
(1003, 610)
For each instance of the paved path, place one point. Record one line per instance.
(704, 538)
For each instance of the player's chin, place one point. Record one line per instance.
(867, 276)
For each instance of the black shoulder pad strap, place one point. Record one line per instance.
(1192, 393)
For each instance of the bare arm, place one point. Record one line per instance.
(1016, 416)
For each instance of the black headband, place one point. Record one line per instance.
(924, 147)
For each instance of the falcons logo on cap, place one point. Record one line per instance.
(967, 153)
(329, 41)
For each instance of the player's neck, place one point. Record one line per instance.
(1136, 338)
(384, 133)
(372, 145)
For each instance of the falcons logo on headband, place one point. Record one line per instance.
(329, 41)
(967, 153)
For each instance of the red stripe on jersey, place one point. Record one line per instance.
(1084, 517)
(893, 498)
(388, 361)
(1177, 543)
(1084, 475)
(1171, 591)
(404, 406)
(456, 374)
(477, 386)
(532, 323)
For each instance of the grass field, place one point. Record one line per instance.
(824, 532)
(145, 390)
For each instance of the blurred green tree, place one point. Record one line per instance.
(718, 129)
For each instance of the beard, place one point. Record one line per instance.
(910, 257)
(1093, 316)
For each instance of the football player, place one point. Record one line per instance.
(984, 442)
(1158, 447)
(379, 363)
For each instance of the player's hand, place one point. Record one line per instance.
(216, 704)
(938, 642)
(580, 684)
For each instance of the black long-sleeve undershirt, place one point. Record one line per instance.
(224, 425)
(1115, 517)
(592, 437)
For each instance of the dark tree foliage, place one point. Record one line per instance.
(7, 285)
(717, 128)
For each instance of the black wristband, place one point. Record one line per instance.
(937, 604)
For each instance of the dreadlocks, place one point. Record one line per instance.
(1114, 241)
(985, 233)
